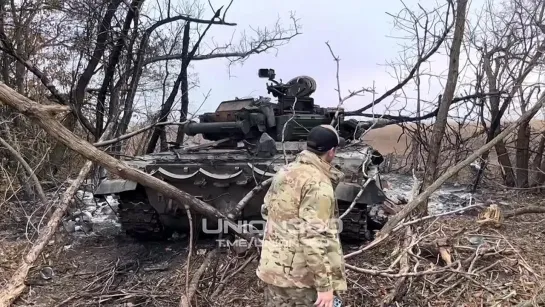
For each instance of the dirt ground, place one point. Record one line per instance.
(115, 270)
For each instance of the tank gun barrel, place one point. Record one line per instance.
(237, 127)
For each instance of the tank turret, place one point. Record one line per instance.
(289, 119)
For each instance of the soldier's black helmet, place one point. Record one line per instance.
(323, 138)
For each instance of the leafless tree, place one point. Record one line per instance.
(510, 41)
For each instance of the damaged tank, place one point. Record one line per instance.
(248, 141)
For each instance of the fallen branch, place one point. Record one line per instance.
(224, 279)
(53, 127)
(400, 287)
(386, 273)
(28, 169)
(131, 134)
(429, 217)
(242, 203)
(525, 210)
(360, 193)
(184, 302)
(16, 285)
(537, 301)
(189, 253)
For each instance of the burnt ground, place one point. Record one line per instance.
(114, 270)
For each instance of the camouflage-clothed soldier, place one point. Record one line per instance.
(302, 260)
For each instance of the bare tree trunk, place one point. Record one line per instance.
(184, 88)
(59, 150)
(439, 126)
(501, 151)
(164, 113)
(186, 297)
(5, 59)
(523, 154)
(536, 165)
(163, 140)
(98, 53)
(415, 141)
(110, 68)
(18, 38)
(508, 174)
(522, 157)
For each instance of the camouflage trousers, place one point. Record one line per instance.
(289, 297)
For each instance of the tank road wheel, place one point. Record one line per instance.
(376, 217)
(354, 225)
(139, 219)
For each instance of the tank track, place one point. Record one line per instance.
(140, 220)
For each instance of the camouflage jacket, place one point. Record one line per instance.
(301, 246)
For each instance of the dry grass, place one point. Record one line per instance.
(117, 271)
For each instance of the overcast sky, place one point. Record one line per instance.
(357, 30)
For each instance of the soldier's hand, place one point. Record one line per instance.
(325, 299)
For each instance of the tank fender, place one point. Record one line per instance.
(114, 186)
(348, 191)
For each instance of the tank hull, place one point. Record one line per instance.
(222, 178)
